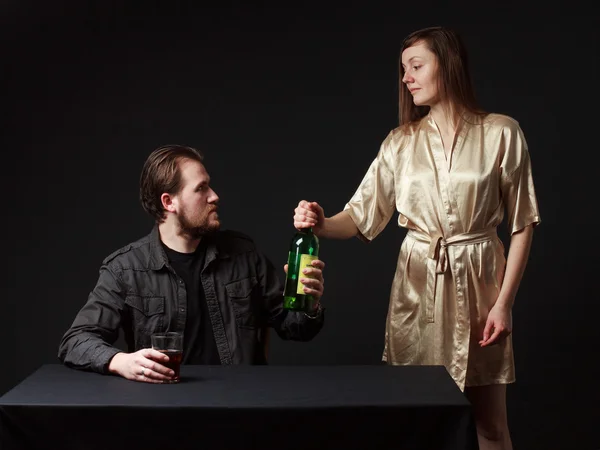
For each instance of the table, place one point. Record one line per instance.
(235, 407)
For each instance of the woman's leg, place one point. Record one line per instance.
(489, 409)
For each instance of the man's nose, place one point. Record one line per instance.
(213, 197)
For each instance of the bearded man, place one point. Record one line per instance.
(187, 276)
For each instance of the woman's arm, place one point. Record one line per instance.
(310, 214)
(499, 321)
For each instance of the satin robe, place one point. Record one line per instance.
(451, 263)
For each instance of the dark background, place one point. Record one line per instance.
(291, 102)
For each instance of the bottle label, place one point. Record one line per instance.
(305, 261)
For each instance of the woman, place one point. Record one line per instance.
(450, 170)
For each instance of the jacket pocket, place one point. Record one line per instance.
(147, 312)
(240, 295)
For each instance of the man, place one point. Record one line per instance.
(186, 276)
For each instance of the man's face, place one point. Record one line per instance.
(196, 203)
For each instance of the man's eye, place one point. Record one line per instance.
(416, 67)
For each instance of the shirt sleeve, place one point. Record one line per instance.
(87, 344)
(289, 325)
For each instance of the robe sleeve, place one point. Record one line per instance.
(373, 204)
(516, 181)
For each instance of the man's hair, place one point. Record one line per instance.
(454, 80)
(161, 174)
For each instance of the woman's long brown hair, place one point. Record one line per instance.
(454, 81)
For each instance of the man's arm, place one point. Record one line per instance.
(88, 343)
(289, 325)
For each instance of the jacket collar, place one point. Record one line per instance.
(158, 257)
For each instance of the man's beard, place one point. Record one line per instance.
(199, 227)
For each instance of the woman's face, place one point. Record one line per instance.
(420, 74)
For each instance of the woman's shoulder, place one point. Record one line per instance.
(399, 137)
(408, 129)
(499, 122)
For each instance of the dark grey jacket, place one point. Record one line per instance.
(138, 291)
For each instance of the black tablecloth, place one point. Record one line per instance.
(231, 407)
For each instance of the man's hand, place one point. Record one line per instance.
(143, 365)
(313, 279)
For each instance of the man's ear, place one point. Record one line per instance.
(168, 202)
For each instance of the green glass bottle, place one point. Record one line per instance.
(303, 250)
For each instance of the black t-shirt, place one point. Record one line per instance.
(199, 346)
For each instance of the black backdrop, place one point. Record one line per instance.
(290, 102)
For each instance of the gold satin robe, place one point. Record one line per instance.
(451, 263)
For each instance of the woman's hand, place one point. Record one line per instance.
(309, 214)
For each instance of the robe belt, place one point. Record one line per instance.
(437, 258)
